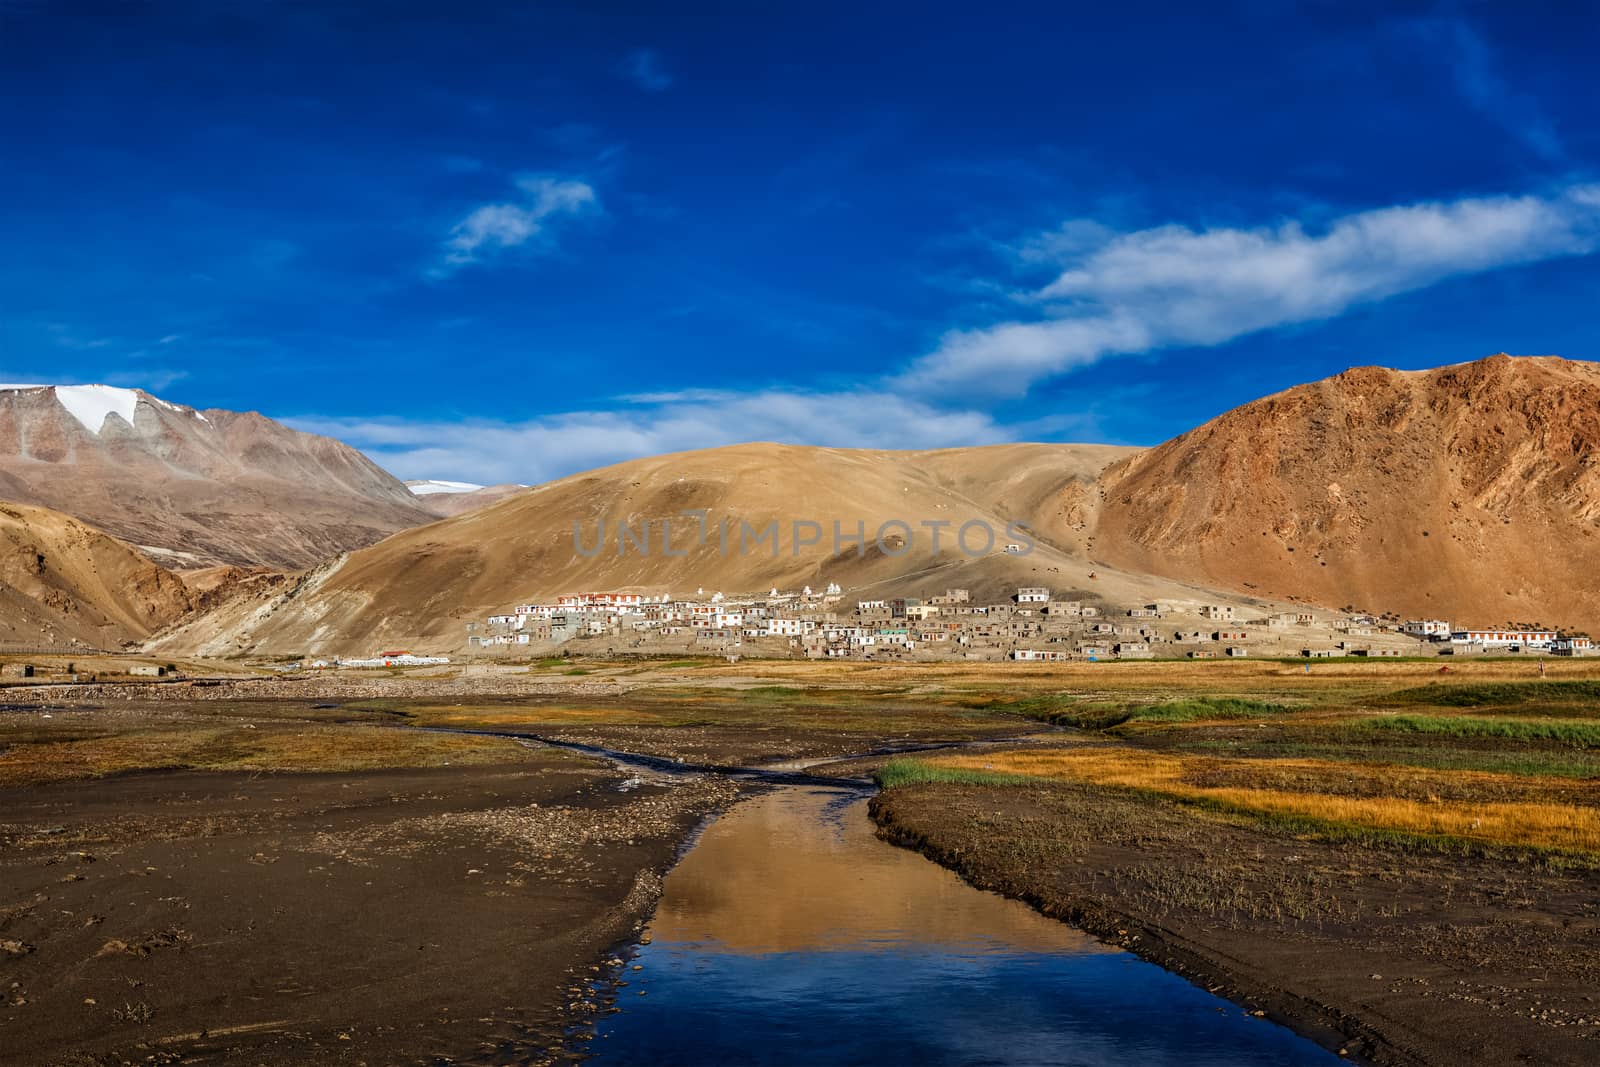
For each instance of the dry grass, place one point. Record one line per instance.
(1537, 823)
(855, 712)
(238, 748)
(1185, 676)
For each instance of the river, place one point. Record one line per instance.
(789, 934)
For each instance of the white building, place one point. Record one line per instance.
(1033, 595)
(1433, 628)
(1505, 638)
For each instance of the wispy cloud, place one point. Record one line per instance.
(1172, 285)
(1100, 293)
(1476, 71)
(68, 337)
(555, 445)
(493, 228)
(645, 68)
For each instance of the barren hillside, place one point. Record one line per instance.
(63, 582)
(1470, 493)
(194, 488)
(418, 587)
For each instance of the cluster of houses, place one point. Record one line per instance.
(1499, 640)
(395, 658)
(1034, 624)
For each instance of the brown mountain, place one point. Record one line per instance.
(194, 488)
(417, 588)
(1470, 493)
(62, 582)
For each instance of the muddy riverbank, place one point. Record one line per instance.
(400, 916)
(275, 881)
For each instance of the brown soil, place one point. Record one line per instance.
(1467, 493)
(401, 916)
(1394, 957)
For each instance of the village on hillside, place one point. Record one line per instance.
(1032, 625)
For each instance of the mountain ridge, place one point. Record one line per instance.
(194, 488)
(1468, 492)
(1470, 489)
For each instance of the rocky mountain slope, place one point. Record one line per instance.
(1469, 493)
(64, 583)
(194, 488)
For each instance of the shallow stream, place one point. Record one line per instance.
(790, 934)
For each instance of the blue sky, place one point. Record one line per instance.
(507, 242)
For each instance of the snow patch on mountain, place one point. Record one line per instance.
(92, 405)
(428, 487)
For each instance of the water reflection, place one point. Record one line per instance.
(802, 871)
(790, 935)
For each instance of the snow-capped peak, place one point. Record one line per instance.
(92, 405)
(430, 486)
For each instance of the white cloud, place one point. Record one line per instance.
(555, 445)
(1111, 293)
(645, 68)
(1173, 285)
(493, 228)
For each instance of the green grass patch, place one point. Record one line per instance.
(1065, 709)
(903, 772)
(1575, 734)
(771, 694)
(1061, 709)
(1496, 694)
(1197, 709)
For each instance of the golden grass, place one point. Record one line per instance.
(1532, 823)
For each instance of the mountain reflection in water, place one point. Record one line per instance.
(789, 934)
(802, 871)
